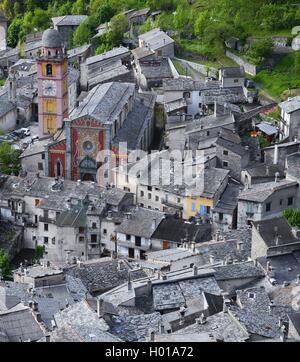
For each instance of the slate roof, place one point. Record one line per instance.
(209, 122)
(142, 52)
(157, 70)
(135, 328)
(186, 84)
(141, 223)
(115, 52)
(238, 271)
(20, 324)
(261, 192)
(156, 39)
(295, 319)
(229, 199)
(220, 325)
(137, 120)
(5, 106)
(268, 229)
(104, 275)
(104, 102)
(176, 230)
(260, 171)
(76, 217)
(233, 72)
(291, 105)
(68, 20)
(85, 323)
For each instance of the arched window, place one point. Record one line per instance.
(49, 69)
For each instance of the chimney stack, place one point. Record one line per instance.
(100, 307)
(275, 161)
(195, 270)
(215, 109)
(277, 174)
(240, 246)
(129, 283)
(267, 170)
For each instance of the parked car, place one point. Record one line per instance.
(34, 138)
(26, 131)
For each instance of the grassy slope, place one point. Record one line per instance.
(282, 78)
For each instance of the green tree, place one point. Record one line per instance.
(78, 7)
(9, 159)
(13, 32)
(118, 25)
(104, 13)
(39, 251)
(260, 50)
(201, 23)
(292, 216)
(4, 264)
(82, 35)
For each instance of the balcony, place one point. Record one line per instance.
(47, 220)
(129, 244)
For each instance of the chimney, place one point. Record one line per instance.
(277, 176)
(271, 306)
(78, 182)
(211, 259)
(164, 277)
(202, 319)
(38, 317)
(152, 335)
(149, 286)
(240, 246)
(217, 236)
(226, 302)
(296, 139)
(162, 328)
(195, 270)
(275, 161)
(215, 109)
(48, 338)
(119, 265)
(276, 236)
(154, 224)
(193, 246)
(129, 283)
(267, 170)
(100, 307)
(35, 306)
(12, 91)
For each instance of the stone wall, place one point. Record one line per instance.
(249, 68)
(201, 68)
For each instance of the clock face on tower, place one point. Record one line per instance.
(49, 88)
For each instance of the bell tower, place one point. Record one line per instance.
(52, 67)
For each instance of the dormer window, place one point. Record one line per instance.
(49, 69)
(251, 295)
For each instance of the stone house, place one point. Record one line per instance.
(232, 77)
(67, 25)
(266, 200)
(290, 119)
(159, 42)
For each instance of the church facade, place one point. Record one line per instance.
(85, 142)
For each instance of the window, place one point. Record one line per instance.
(104, 232)
(225, 164)
(40, 166)
(208, 209)
(268, 206)
(81, 230)
(81, 239)
(149, 196)
(290, 201)
(57, 215)
(46, 227)
(178, 200)
(280, 202)
(35, 219)
(142, 193)
(156, 198)
(43, 156)
(251, 295)
(149, 188)
(128, 237)
(225, 152)
(46, 239)
(221, 216)
(94, 225)
(49, 69)
(186, 95)
(193, 206)
(236, 81)
(137, 241)
(37, 202)
(53, 241)
(207, 133)
(127, 178)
